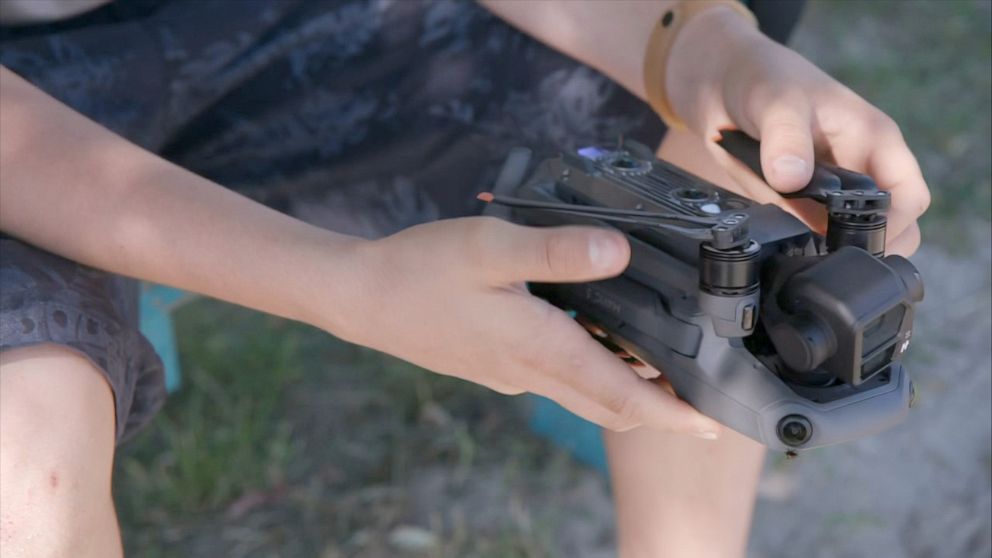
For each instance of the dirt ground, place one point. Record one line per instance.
(284, 442)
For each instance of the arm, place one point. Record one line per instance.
(447, 296)
(609, 36)
(80, 191)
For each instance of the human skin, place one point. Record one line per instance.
(57, 442)
(71, 187)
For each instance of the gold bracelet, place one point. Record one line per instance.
(665, 32)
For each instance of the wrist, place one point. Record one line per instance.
(329, 287)
(695, 89)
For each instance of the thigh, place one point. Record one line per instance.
(57, 439)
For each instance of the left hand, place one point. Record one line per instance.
(798, 112)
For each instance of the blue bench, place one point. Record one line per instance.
(155, 310)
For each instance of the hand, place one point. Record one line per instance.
(798, 112)
(450, 296)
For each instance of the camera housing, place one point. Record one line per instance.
(791, 338)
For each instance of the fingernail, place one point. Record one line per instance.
(705, 434)
(603, 252)
(790, 166)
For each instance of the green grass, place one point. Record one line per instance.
(278, 422)
(223, 434)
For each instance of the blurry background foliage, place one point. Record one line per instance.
(286, 442)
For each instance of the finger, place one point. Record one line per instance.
(748, 184)
(588, 409)
(785, 128)
(906, 243)
(581, 365)
(896, 170)
(512, 253)
(872, 143)
(507, 390)
(498, 387)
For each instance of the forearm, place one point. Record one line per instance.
(609, 36)
(613, 37)
(74, 188)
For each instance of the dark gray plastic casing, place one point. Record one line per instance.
(654, 312)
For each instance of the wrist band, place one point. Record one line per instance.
(665, 32)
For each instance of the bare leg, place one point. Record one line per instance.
(56, 454)
(677, 495)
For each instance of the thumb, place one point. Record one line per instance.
(787, 146)
(556, 254)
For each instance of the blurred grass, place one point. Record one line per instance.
(279, 423)
(926, 64)
(222, 434)
(285, 442)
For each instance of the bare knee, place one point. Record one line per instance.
(57, 436)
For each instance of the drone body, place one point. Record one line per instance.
(790, 338)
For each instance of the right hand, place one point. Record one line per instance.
(450, 296)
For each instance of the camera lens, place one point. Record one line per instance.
(795, 430)
(804, 342)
